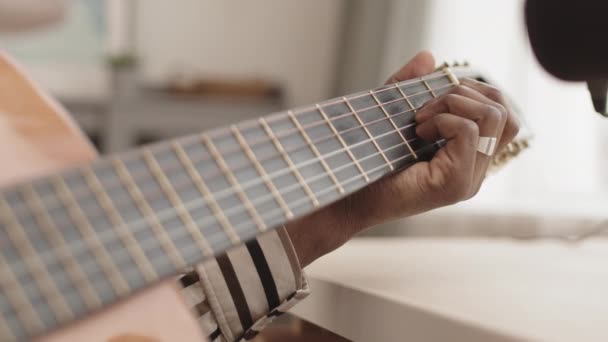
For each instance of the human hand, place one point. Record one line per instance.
(456, 173)
(469, 111)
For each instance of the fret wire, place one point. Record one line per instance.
(371, 137)
(318, 155)
(438, 74)
(127, 238)
(325, 190)
(158, 230)
(235, 183)
(279, 147)
(428, 87)
(313, 178)
(175, 201)
(124, 226)
(346, 147)
(18, 299)
(354, 178)
(58, 243)
(264, 175)
(310, 142)
(433, 76)
(347, 114)
(55, 238)
(278, 173)
(314, 124)
(308, 126)
(302, 201)
(312, 160)
(207, 195)
(115, 278)
(316, 152)
(406, 98)
(35, 266)
(390, 119)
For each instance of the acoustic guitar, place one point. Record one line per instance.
(90, 248)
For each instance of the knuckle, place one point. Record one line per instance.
(504, 113)
(515, 126)
(512, 128)
(470, 127)
(459, 90)
(512, 133)
(460, 191)
(493, 93)
(451, 190)
(515, 131)
(494, 113)
(453, 183)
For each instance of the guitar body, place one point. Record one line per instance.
(37, 138)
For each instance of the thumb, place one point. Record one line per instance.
(423, 63)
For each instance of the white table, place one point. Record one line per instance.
(396, 289)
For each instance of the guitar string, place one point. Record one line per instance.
(136, 224)
(229, 191)
(151, 239)
(226, 130)
(279, 135)
(301, 110)
(298, 111)
(274, 213)
(173, 212)
(353, 178)
(333, 152)
(51, 202)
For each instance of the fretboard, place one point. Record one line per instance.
(77, 241)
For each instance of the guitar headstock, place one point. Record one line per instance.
(522, 140)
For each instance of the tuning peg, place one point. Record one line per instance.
(466, 63)
(512, 150)
(455, 64)
(442, 66)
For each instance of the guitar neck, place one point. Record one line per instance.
(75, 242)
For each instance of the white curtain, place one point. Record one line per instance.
(566, 169)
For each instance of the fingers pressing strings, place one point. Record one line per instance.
(467, 103)
(457, 159)
(491, 93)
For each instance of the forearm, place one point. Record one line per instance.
(329, 228)
(323, 231)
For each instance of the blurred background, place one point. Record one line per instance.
(135, 71)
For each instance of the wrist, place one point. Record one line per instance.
(322, 232)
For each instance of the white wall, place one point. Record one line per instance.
(294, 42)
(564, 163)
